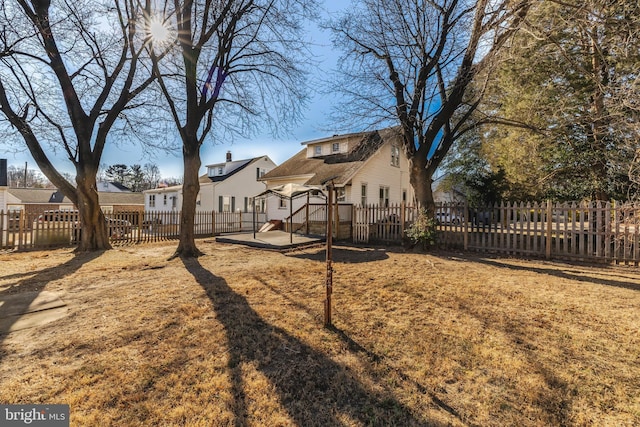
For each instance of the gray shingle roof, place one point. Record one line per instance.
(48, 195)
(341, 167)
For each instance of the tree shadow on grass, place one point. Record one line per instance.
(312, 388)
(26, 290)
(561, 273)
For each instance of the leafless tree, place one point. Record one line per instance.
(224, 67)
(411, 63)
(68, 72)
(26, 178)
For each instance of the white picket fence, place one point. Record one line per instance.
(588, 231)
(55, 228)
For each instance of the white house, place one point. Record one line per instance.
(365, 167)
(226, 187)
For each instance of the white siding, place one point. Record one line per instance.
(3, 198)
(241, 184)
(378, 172)
(206, 197)
(160, 194)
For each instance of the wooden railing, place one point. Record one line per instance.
(56, 228)
(311, 218)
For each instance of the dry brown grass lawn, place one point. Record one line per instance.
(236, 338)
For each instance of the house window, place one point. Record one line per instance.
(246, 205)
(335, 147)
(384, 196)
(164, 200)
(226, 204)
(404, 195)
(152, 200)
(395, 155)
(340, 194)
(220, 171)
(174, 201)
(283, 203)
(260, 173)
(318, 150)
(363, 195)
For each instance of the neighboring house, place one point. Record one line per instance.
(3, 198)
(163, 199)
(112, 187)
(446, 193)
(36, 200)
(367, 168)
(226, 187)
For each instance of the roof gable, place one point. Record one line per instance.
(231, 168)
(339, 167)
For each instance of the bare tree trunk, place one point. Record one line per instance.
(420, 180)
(190, 188)
(94, 228)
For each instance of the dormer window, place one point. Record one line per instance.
(335, 147)
(220, 171)
(318, 150)
(395, 155)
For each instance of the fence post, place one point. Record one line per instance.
(22, 241)
(549, 230)
(466, 219)
(213, 223)
(403, 214)
(306, 214)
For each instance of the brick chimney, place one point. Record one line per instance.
(228, 156)
(3, 173)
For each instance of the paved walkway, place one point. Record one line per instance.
(28, 309)
(276, 240)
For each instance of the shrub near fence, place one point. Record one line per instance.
(589, 231)
(54, 228)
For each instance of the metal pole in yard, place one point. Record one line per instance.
(329, 279)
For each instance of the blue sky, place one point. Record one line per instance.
(315, 125)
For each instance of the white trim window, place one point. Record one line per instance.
(395, 156)
(317, 150)
(152, 200)
(363, 194)
(384, 196)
